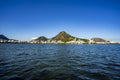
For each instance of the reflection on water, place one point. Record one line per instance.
(59, 62)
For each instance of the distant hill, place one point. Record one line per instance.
(41, 38)
(3, 37)
(63, 36)
(98, 40)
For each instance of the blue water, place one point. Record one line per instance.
(59, 61)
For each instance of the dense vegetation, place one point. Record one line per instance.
(63, 36)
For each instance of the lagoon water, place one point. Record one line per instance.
(59, 61)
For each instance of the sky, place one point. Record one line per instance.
(27, 19)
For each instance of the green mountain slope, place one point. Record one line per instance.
(63, 36)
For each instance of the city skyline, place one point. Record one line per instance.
(26, 19)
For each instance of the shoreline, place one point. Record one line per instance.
(53, 43)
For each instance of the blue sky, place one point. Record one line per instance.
(24, 19)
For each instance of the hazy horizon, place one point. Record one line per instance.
(26, 19)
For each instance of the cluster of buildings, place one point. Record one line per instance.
(47, 41)
(75, 41)
(79, 41)
(12, 41)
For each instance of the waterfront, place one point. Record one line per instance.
(60, 61)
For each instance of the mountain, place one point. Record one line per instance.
(98, 40)
(41, 38)
(3, 37)
(63, 36)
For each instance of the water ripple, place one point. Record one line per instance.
(59, 62)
